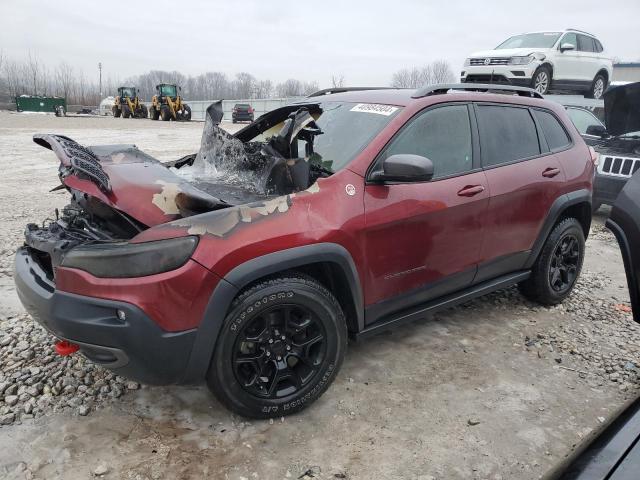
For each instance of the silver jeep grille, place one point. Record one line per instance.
(492, 61)
(619, 166)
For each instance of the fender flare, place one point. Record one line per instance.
(557, 208)
(259, 267)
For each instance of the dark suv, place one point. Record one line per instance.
(242, 112)
(344, 214)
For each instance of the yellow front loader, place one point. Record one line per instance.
(128, 104)
(168, 105)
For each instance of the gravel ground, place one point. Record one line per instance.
(496, 388)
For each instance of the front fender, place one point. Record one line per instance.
(252, 270)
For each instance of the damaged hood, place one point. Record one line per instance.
(622, 109)
(128, 180)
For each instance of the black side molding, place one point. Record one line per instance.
(252, 270)
(442, 303)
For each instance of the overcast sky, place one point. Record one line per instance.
(366, 41)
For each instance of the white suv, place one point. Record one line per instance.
(570, 60)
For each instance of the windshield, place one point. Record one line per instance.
(168, 90)
(582, 119)
(531, 40)
(346, 129)
(128, 92)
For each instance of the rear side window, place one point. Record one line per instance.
(553, 132)
(507, 134)
(599, 47)
(586, 44)
(443, 135)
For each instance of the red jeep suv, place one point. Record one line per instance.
(250, 263)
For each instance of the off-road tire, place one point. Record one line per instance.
(289, 291)
(117, 112)
(538, 286)
(539, 77)
(143, 112)
(598, 86)
(126, 111)
(165, 113)
(186, 116)
(154, 114)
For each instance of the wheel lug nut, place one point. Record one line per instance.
(271, 340)
(279, 357)
(288, 348)
(268, 354)
(283, 337)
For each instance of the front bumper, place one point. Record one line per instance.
(606, 188)
(136, 347)
(519, 75)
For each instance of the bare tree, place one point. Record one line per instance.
(33, 67)
(337, 81)
(64, 79)
(14, 76)
(442, 72)
(436, 72)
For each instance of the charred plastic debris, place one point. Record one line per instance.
(114, 188)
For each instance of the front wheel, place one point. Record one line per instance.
(186, 114)
(558, 266)
(280, 348)
(165, 113)
(541, 80)
(598, 87)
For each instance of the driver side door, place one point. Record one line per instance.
(423, 240)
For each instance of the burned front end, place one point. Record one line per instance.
(134, 305)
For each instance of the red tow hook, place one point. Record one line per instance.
(64, 348)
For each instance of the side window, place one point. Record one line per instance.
(443, 135)
(570, 38)
(585, 44)
(507, 134)
(554, 133)
(599, 47)
(582, 119)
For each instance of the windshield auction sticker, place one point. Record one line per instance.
(385, 110)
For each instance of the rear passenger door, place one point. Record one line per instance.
(524, 176)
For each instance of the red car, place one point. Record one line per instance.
(249, 264)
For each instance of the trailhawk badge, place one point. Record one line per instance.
(350, 189)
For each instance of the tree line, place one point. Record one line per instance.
(31, 76)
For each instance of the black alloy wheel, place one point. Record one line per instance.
(279, 351)
(565, 262)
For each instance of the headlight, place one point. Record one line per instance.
(521, 60)
(467, 62)
(125, 260)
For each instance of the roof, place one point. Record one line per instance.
(389, 96)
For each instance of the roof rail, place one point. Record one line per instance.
(328, 91)
(441, 88)
(580, 31)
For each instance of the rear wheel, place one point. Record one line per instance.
(541, 80)
(154, 113)
(558, 266)
(126, 112)
(117, 112)
(165, 113)
(280, 348)
(597, 87)
(143, 111)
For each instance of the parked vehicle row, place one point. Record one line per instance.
(166, 104)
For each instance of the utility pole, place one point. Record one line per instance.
(100, 70)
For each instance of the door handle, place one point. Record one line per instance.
(471, 190)
(551, 172)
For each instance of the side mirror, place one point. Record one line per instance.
(596, 130)
(406, 168)
(567, 46)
